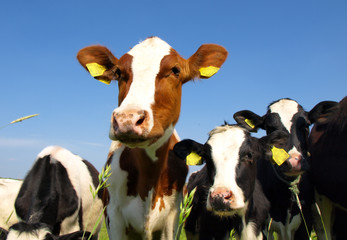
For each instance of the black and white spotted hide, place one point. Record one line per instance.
(287, 162)
(228, 196)
(55, 198)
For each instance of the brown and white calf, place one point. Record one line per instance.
(147, 179)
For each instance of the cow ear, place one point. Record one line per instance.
(248, 120)
(206, 61)
(99, 62)
(273, 144)
(190, 151)
(322, 111)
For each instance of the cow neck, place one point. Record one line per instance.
(151, 151)
(144, 174)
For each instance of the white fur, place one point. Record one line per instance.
(119, 202)
(286, 231)
(124, 211)
(9, 189)
(152, 149)
(147, 56)
(286, 109)
(294, 150)
(40, 234)
(225, 146)
(248, 231)
(161, 219)
(81, 180)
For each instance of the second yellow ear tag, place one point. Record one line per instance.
(208, 71)
(193, 159)
(279, 155)
(249, 123)
(95, 69)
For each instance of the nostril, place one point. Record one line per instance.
(222, 194)
(114, 120)
(141, 118)
(140, 121)
(228, 196)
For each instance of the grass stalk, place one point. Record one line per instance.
(20, 120)
(185, 209)
(295, 190)
(321, 219)
(103, 178)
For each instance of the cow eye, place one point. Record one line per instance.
(249, 158)
(176, 71)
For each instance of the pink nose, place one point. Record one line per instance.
(131, 122)
(223, 193)
(295, 161)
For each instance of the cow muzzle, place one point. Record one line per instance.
(130, 126)
(222, 201)
(297, 164)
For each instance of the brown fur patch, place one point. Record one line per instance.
(163, 175)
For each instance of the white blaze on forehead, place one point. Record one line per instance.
(286, 109)
(225, 145)
(145, 66)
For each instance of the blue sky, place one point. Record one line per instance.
(295, 49)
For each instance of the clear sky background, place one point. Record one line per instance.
(295, 49)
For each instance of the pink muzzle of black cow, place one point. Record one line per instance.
(222, 201)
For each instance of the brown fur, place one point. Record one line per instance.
(167, 173)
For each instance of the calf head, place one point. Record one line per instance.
(285, 115)
(150, 78)
(230, 155)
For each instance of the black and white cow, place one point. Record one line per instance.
(228, 195)
(55, 198)
(281, 170)
(328, 148)
(9, 189)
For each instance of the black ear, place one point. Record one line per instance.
(190, 151)
(322, 111)
(277, 138)
(248, 120)
(3, 233)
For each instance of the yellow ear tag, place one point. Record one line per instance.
(249, 123)
(105, 81)
(208, 71)
(95, 69)
(279, 155)
(193, 159)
